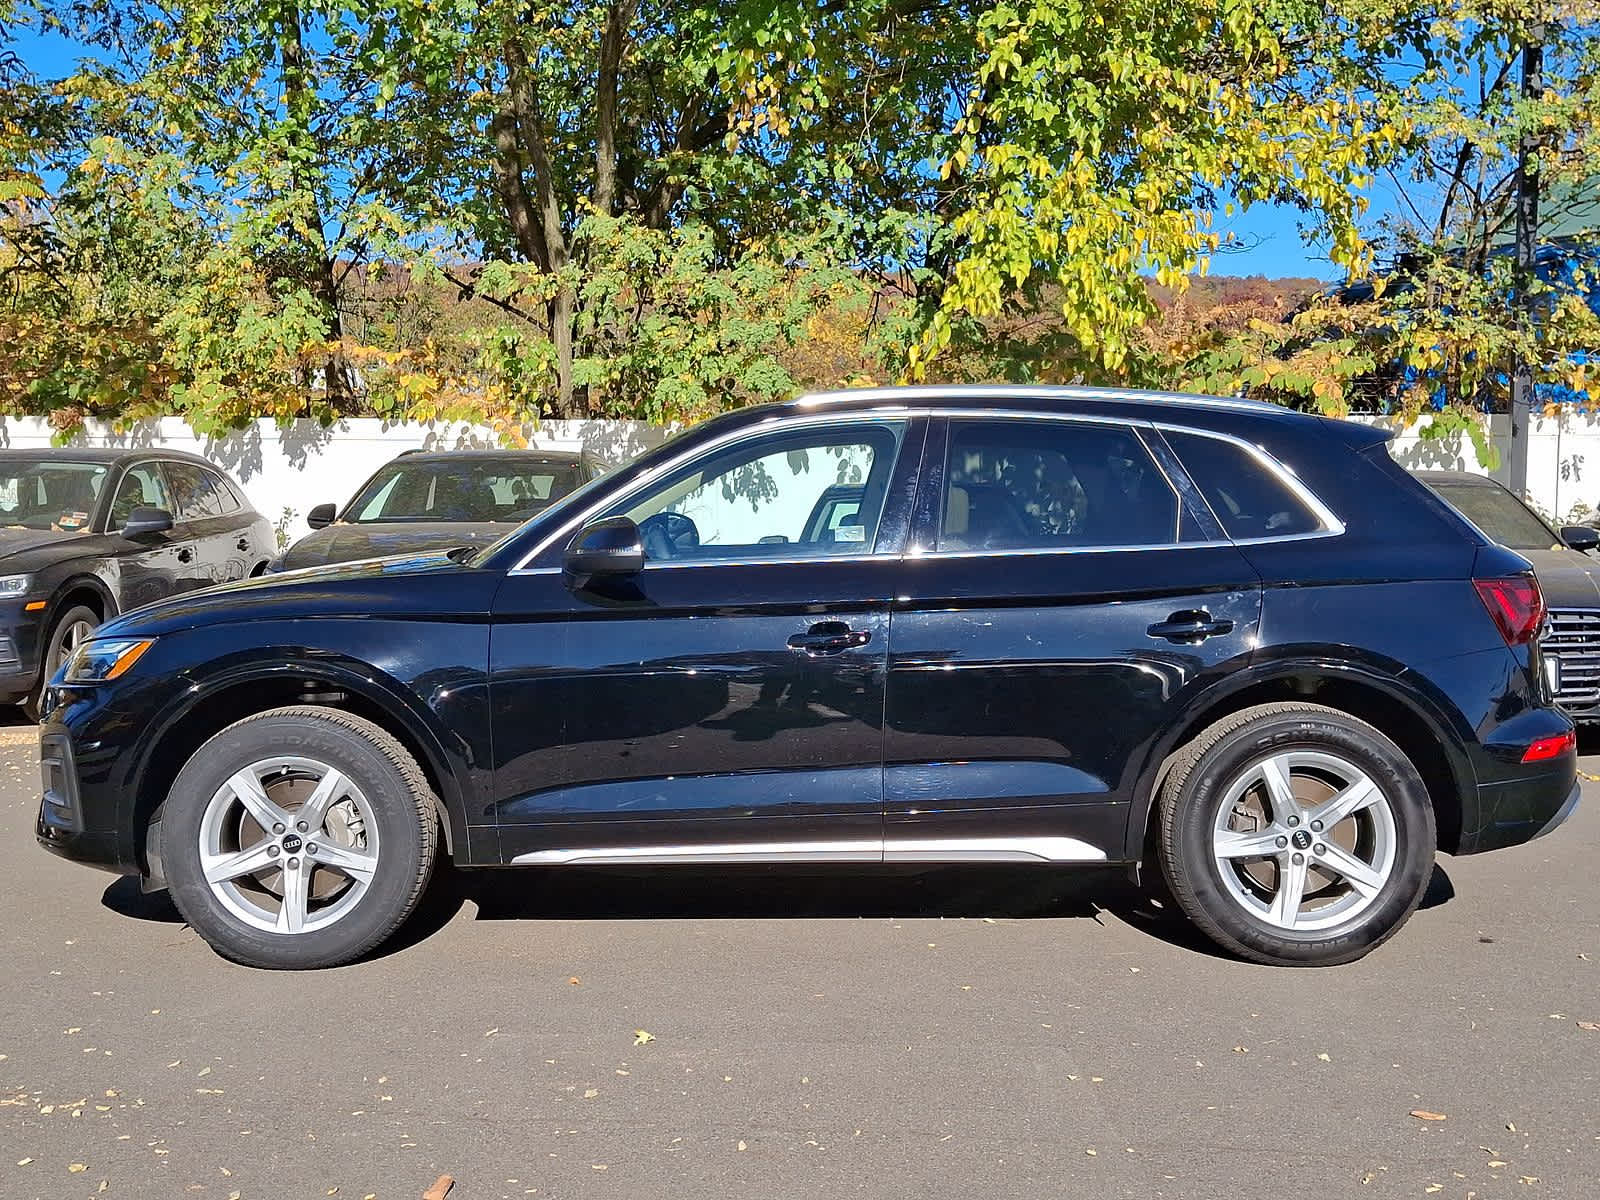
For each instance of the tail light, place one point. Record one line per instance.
(1515, 604)
(1553, 746)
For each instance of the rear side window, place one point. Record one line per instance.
(191, 491)
(1052, 485)
(1246, 495)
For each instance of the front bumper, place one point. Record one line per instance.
(65, 825)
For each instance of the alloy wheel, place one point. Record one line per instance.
(1304, 840)
(289, 845)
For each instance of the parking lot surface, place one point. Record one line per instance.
(951, 1033)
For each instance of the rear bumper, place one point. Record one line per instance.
(1512, 812)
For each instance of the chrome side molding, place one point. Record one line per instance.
(891, 850)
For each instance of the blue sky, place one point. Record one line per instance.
(1268, 233)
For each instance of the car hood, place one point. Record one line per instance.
(350, 543)
(30, 549)
(409, 586)
(1568, 578)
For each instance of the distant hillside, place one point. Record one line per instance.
(1220, 291)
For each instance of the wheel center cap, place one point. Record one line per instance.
(291, 843)
(1301, 840)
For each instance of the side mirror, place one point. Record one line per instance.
(1580, 537)
(146, 523)
(321, 516)
(606, 549)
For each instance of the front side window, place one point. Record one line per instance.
(1246, 495)
(1052, 485)
(806, 493)
(141, 487)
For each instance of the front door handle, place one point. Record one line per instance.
(243, 543)
(185, 554)
(1190, 625)
(828, 637)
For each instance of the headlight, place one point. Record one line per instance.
(14, 585)
(99, 661)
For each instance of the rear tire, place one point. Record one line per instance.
(298, 838)
(1296, 835)
(69, 628)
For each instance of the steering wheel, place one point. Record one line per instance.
(668, 534)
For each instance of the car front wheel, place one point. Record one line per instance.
(298, 838)
(1296, 835)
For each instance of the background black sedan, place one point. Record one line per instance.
(434, 500)
(1569, 575)
(87, 534)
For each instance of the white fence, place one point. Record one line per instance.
(1559, 449)
(285, 471)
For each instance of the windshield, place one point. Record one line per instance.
(1500, 515)
(445, 490)
(50, 493)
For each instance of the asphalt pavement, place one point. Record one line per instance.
(953, 1033)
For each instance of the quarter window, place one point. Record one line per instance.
(1248, 498)
(808, 493)
(1052, 485)
(227, 502)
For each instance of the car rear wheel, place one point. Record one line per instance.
(1296, 835)
(298, 838)
(70, 630)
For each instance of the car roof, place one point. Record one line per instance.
(532, 457)
(1468, 478)
(103, 454)
(1129, 403)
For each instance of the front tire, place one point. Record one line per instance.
(71, 628)
(1296, 835)
(298, 838)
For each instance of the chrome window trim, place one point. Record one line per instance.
(1332, 526)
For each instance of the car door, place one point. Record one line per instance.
(230, 535)
(197, 561)
(1057, 603)
(149, 568)
(726, 703)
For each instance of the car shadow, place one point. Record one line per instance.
(777, 893)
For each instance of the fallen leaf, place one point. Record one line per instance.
(574, 981)
(1241, 1050)
(1092, 1152)
(1512, 1126)
(1498, 1162)
(77, 1169)
(1589, 1026)
(741, 1145)
(440, 1189)
(1423, 1114)
(1529, 1179)
(1434, 1187)
(22, 1162)
(591, 1094)
(1325, 1057)
(641, 1036)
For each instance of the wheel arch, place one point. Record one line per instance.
(1430, 738)
(83, 586)
(253, 688)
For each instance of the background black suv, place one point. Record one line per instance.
(1231, 644)
(87, 534)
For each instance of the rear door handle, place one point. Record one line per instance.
(828, 637)
(243, 543)
(1190, 625)
(185, 554)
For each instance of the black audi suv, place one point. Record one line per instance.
(1230, 646)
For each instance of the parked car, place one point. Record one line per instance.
(87, 534)
(1074, 628)
(433, 500)
(1568, 575)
